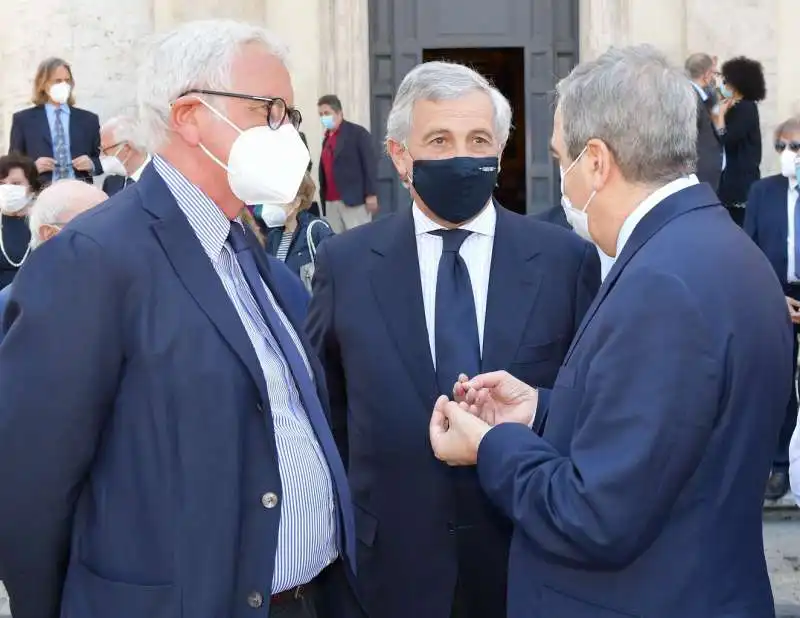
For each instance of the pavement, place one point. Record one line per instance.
(781, 547)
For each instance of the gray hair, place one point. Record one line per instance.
(640, 106)
(790, 125)
(195, 55)
(698, 65)
(442, 81)
(60, 202)
(124, 129)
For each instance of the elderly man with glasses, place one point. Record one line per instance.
(123, 159)
(178, 461)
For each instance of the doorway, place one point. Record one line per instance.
(505, 68)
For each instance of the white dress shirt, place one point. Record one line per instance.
(137, 174)
(794, 464)
(791, 203)
(476, 253)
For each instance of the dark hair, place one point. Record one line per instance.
(747, 77)
(14, 161)
(332, 101)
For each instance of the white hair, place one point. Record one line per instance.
(443, 81)
(195, 55)
(640, 106)
(60, 202)
(124, 129)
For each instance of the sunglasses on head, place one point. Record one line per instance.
(780, 146)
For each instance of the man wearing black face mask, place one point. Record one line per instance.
(702, 70)
(453, 285)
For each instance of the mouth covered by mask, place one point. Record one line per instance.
(789, 163)
(265, 166)
(13, 199)
(577, 218)
(113, 165)
(725, 91)
(328, 122)
(273, 215)
(455, 189)
(60, 92)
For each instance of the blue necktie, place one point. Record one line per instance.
(797, 236)
(63, 164)
(308, 393)
(456, 326)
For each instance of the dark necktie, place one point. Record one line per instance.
(63, 164)
(797, 234)
(456, 325)
(308, 393)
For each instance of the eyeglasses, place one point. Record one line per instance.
(276, 109)
(780, 146)
(107, 149)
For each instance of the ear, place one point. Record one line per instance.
(398, 153)
(46, 232)
(183, 119)
(600, 157)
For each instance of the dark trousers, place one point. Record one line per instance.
(482, 575)
(330, 595)
(781, 462)
(737, 214)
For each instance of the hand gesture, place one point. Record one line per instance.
(498, 398)
(455, 433)
(82, 163)
(45, 164)
(794, 309)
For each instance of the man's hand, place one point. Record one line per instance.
(45, 164)
(455, 433)
(721, 109)
(371, 203)
(497, 398)
(794, 309)
(82, 163)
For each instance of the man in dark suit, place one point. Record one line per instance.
(455, 284)
(123, 159)
(771, 220)
(179, 461)
(643, 495)
(348, 169)
(64, 140)
(702, 70)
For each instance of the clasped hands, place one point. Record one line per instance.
(458, 426)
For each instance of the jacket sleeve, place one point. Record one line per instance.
(59, 372)
(752, 210)
(94, 149)
(321, 329)
(632, 453)
(739, 122)
(587, 283)
(17, 140)
(369, 162)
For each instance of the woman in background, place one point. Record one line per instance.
(19, 183)
(737, 122)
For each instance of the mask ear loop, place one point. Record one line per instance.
(222, 117)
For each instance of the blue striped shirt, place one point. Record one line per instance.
(307, 540)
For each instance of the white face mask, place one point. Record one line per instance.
(273, 215)
(789, 161)
(60, 92)
(112, 165)
(578, 219)
(13, 198)
(265, 166)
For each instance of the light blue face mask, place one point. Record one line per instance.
(327, 122)
(726, 91)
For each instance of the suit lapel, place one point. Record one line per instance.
(44, 126)
(514, 284)
(196, 271)
(677, 204)
(398, 290)
(341, 139)
(74, 132)
(778, 195)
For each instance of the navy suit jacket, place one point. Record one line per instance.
(138, 465)
(643, 496)
(115, 183)
(355, 165)
(367, 322)
(767, 221)
(30, 136)
(554, 215)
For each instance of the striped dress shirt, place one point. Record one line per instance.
(307, 534)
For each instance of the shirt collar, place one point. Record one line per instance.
(208, 222)
(484, 224)
(52, 108)
(703, 94)
(137, 174)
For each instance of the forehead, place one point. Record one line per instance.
(16, 175)
(255, 71)
(791, 135)
(60, 72)
(557, 140)
(471, 112)
(106, 136)
(325, 109)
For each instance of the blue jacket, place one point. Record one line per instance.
(643, 497)
(299, 252)
(137, 469)
(767, 221)
(355, 165)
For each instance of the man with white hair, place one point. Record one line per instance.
(177, 460)
(643, 496)
(453, 285)
(123, 159)
(55, 206)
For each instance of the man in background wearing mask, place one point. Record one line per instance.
(348, 169)
(702, 70)
(643, 495)
(454, 285)
(123, 160)
(182, 437)
(772, 220)
(52, 209)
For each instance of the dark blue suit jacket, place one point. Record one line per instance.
(355, 165)
(115, 183)
(643, 496)
(137, 471)
(766, 221)
(30, 136)
(367, 322)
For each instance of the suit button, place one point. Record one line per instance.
(269, 500)
(255, 600)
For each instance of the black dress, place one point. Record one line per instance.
(16, 237)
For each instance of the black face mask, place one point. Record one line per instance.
(458, 188)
